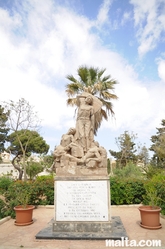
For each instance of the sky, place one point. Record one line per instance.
(42, 41)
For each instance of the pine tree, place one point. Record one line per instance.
(158, 146)
(126, 151)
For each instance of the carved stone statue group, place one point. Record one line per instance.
(77, 146)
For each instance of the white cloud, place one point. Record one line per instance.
(102, 16)
(126, 17)
(161, 69)
(149, 18)
(53, 41)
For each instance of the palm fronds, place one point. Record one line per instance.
(91, 80)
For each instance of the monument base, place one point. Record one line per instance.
(80, 227)
(114, 230)
(82, 209)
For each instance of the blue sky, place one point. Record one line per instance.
(43, 41)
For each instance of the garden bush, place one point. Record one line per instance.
(2, 209)
(131, 170)
(45, 177)
(33, 168)
(152, 171)
(126, 191)
(5, 182)
(158, 181)
(41, 192)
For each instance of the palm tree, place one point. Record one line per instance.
(91, 80)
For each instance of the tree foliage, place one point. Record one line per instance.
(130, 170)
(31, 142)
(48, 160)
(3, 127)
(22, 119)
(33, 168)
(143, 155)
(158, 146)
(93, 81)
(126, 151)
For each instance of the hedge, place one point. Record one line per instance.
(126, 191)
(41, 192)
(123, 191)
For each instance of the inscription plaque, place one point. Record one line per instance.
(81, 200)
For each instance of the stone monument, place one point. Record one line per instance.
(82, 185)
(82, 190)
(78, 153)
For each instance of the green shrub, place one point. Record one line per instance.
(45, 177)
(33, 168)
(126, 191)
(12, 195)
(5, 182)
(123, 191)
(41, 192)
(2, 209)
(157, 184)
(152, 171)
(129, 171)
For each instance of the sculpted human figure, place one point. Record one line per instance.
(70, 145)
(93, 157)
(67, 151)
(62, 158)
(96, 156)
(77, 147)
(85, 122)
(103, 154)
(68, 137)
(58, 153)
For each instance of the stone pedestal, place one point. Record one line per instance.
(83, 199)
(82, 205)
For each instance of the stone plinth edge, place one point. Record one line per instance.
(80, 178)
(81, 227)
(117, 232)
